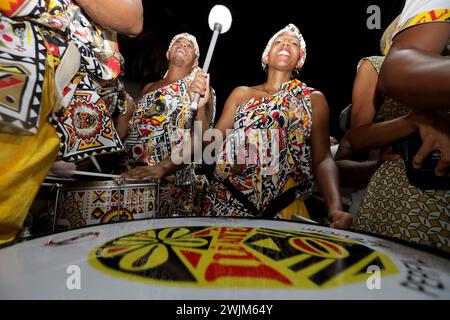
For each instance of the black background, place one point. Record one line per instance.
(336, 36)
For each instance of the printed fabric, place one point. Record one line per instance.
(270, 143)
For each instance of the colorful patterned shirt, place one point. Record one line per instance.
(159, 124)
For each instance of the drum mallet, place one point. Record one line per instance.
(219, 21)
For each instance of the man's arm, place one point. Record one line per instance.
(414, 71)
(122, 16)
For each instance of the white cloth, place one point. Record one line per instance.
(414, 7)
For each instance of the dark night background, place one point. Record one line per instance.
(335, 32)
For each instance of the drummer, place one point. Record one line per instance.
(161, 123)
(280, 113)
(73, 89)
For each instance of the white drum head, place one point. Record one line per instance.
(219, 258)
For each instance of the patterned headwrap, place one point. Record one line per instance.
(292, 29)
(189, 37)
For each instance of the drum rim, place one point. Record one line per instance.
(106, 184)
(414, 246)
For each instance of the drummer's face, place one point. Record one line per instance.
(183, 50)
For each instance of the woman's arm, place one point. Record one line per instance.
(353, 173)
(123, 16)
(121, 122)
(226, 120)
(364, 134)
(325, 169)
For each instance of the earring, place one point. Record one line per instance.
(295, 73)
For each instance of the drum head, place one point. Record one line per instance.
(219, 258)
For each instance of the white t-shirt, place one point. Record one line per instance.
(416, 12)
(415, 7)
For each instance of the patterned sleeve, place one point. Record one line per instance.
(375, 61)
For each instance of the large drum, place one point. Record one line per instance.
(219, 258)
(86, 203)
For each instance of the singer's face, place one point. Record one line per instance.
(285, 52)
(183, 50)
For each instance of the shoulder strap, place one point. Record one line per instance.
(241, 197)
(279, 203)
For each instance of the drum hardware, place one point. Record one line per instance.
(93, 174)
(119, 182)
(58, 187)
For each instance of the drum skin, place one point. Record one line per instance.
(219, 258)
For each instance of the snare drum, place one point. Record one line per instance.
(87, 203)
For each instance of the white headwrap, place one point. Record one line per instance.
(292, 29)
(188, 37)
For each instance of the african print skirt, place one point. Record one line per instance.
(393, 207)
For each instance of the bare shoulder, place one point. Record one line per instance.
(242, 94)
(241, 91)
(239, 94)
(318, 98)
(319, 104)
(366, 68)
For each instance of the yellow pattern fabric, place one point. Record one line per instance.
(24, 164)
(297, 207)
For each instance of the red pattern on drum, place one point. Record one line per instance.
(239, 257)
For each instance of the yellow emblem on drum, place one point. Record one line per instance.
(246, 257)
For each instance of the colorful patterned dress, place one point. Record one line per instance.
(269, 144)
(158, 126)
(393, 207)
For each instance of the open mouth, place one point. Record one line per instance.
(284, 53)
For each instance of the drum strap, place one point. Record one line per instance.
(279, 203)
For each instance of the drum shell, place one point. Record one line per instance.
(88, 203)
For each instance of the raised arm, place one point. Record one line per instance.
(325, 169)
(414, 71)
(364, 134)
(122, 16)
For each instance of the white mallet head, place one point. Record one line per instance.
(220, 14)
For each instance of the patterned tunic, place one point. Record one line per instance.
(393, 207)
(269, 144)
(159, 124)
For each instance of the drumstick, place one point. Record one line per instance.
(97, 166)
(93, 174)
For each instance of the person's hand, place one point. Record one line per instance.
(340, 219)
(434, 130)
(200, 85)
(154, 173)
(61, 168)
